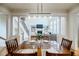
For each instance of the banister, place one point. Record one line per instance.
(2, 38)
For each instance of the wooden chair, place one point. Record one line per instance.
(46, 38)
(11, 45)
(66, 44)
(33, 38)
(53, 37)
(57, 54)
(24, 54)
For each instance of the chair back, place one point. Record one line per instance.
(57, 54)
(33, 38)
(66, 43)
(11, 45)
(53, 37)
(46, 38)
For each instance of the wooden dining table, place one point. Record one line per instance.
(40, 47)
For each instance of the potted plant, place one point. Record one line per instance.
(39, 36)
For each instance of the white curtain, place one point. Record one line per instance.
(58, 25)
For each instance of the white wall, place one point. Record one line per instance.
(73, 27)
(2, 29)
(4, 12)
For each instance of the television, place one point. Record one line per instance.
(39, 32)
(39, 26)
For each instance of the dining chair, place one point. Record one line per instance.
(25, 54)
(57, 54)
(53, 37)
(46, 38)
(66, 44)
(11, 45)
(33, 38)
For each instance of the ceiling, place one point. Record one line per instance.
(36, 7)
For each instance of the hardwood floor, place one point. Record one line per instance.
(76, 52)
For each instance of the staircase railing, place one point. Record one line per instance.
(2, 38)
(25, 27)
(2, 48)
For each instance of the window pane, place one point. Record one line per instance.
(15, 25)
(58, 25)
(63, 25)
(2, 29)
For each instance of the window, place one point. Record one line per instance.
(15, 25)
(19, 28)
(2, 29)
(54, 24)
(58, 25)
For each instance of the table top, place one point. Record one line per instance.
(26, 51)
(41, 48)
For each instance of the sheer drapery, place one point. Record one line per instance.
(58, 25)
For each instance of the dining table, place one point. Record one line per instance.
(40, 47)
